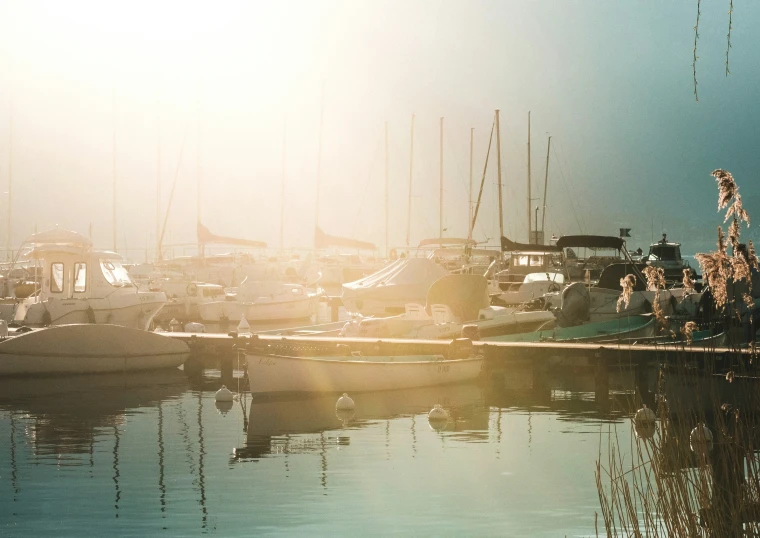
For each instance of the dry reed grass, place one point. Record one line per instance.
(627, 283)
(692, 469)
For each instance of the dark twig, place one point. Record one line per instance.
(730, 25)
(696, 37)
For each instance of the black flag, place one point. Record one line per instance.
(625, 232)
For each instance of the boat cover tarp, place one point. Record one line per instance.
(590, 241)
(322, 240)
(465, 295)
(205, 236)
(406, 280)
(510, 246)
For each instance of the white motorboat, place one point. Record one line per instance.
(262, 301)
(452, 302)
(270, 372)
(582, 303)
(534, 286)
(83, 285)
(667, 255)
(87, 349)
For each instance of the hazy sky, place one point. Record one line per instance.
(212, 85)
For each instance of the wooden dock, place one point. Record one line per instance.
(224, 344)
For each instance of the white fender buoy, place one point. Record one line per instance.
(438, 417)
(243, 327)
(345, 403)
(224, 395)
(701, 439)
(645, 423)
(223, 407)
(645, 414)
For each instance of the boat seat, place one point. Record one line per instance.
(415, 311)
(442, 313)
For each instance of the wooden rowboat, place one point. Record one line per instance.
(271, 372)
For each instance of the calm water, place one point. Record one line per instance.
(152, 454)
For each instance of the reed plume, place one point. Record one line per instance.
(656, 280)
(716, 269)
(688, 331)
(627, 283)
(688, 282)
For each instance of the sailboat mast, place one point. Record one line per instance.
(113, 163)
(411, 168)
(498, 166)
(440, 209)
(469, 198)
(386, 189)
(530, 240)
(10, 180)
(319, 154)
(282, 186)
(546, 183)
(158, 192)
(198, 169)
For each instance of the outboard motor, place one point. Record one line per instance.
(576, 305)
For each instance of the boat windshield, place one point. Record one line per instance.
(665, 252)
(115, 273)
(525, 260)
(543, 277)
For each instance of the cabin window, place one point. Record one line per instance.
(56, 277)
(519, 261)
(665, 252)
(115, 273)
(536, 261)
(80, 277)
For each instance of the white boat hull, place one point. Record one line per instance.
(133, 311)
(604, 304)
(302, 308)
(275, 373)
(84, 349)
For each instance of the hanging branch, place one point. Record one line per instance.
(696, 37)
(730, 25)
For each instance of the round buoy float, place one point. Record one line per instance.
(345, 403)
(223, 407)
(224, 395)
(645, 423)
(438, 417)
(701, 439)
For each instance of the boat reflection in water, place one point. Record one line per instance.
(63, 414)
(282, 425)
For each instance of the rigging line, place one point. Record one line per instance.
(482, 181)
(569, 195)
(366, 184)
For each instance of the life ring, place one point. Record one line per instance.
(192, 289)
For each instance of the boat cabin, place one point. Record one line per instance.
(83, 285)
(667, 254)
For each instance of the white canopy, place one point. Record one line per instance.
(406, 280)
